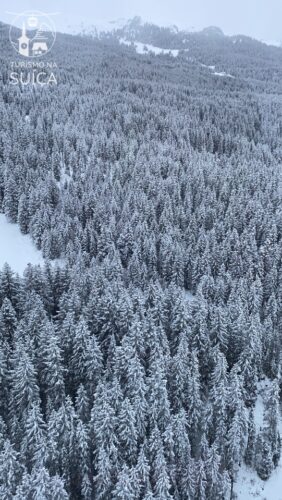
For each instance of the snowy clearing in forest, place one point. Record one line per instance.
(248, 485)
(145, 48)
(209, 67)
(217, 73)
(16, 249)
(222, 73)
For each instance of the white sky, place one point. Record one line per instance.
(261, 19)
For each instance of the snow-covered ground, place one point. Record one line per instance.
(248, 485)
(217, 73)
(222, 73)
(145, 48)
(16, 249)
(189, 296)
(209, 67)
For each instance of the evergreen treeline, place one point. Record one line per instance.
(130, 371)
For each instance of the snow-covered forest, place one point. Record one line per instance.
(133, 370)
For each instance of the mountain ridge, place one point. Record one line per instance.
(136, 27)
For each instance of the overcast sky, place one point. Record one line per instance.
(261, 19)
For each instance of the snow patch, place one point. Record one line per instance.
(145, 48)
(222, 73)
(189, 296)
(217, 73)
(16, 249)
(209, 67)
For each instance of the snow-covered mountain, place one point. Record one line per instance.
(146, 37)
(97, 29)
(157, 39)
(133, 27)
(102, 27)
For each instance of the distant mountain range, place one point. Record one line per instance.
(133, 27)
(137, 30)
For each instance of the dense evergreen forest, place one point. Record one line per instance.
(130, 369)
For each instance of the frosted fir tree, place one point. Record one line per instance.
(125, 489)
(10, 470)
(271, 421)
(251, 443)
(263, 462)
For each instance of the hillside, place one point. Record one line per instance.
(135, 371)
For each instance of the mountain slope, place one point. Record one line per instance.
(136, 370)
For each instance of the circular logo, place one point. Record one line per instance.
(32, 34)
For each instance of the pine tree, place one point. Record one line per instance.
(10, 471)
(142, 472)
(40, 486)
(84, 461)
(124, 489)
(185, 473)
(3, 382)
(200, 490)
(9, 286)
(33, 446)
(61, 441)
(218, 428)
(52, 369)
(82, 404)
(8, 321)
(23, 214)
(87, 360)
(158, 396)
(162, 485)
(264, 462)
(250, 450)
(24, 387)
(127, 435)
(11, 199)
(135, 390)
(271, 421)
(194, 401)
